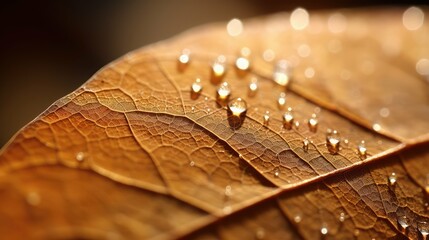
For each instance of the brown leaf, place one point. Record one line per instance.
(134, 153)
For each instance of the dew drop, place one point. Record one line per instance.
(333, 142)
(253, 87)
(342, 217)
(288, 119)
(376, 127)
(299, 19)
(80, 156)
(260, 233)
(268, 55)
(228, 191)
(192, 108)
(191, 163)
(356, 233)
(196, 89)
(297, 218)
(413, 18)
(296, 124)
(223, 93)
(392, 179)
(266, 118)
(423, 229)
(234, 27)
(236, 112)
(346, 142)
(282, 72)
(324, 230)
(33, 198)
(305, 144)
(240, 156)
(362, 150)
(281, 101)
(404, 223)
(312, 123)
(218, 69)
(276, 173)
(242, 63)
(183, 60)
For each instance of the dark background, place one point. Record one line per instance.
(49, 48)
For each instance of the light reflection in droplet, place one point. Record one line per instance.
(253, 87)
(337, 23)
(413, 18)
(234, 27)
(299, 19)
(80, 156)
(376, 127)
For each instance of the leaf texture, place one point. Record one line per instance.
(134, 154)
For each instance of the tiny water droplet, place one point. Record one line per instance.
(236, 112)
(266, 118)
(333, 142)
(223, 93)
(297, 218)
(384, 112)
(33, 198)
(240, 156)
(227, 210)
(392, 179)
(191, 163)
(356, 232)
(260, 233)
(324, 230)
(376, 127)
(80, 156)
(423, 229)
(218, 69)
(312, 123)
(196, 89)
(404, 223)
(281, 101)
(296, 124)
(362, 150)
(242, 63)
(192, 108)
(276, 173)
(342, 217)
(183, 60)
(253, 87)
(288, 119)
(282, 72)
(346, 142)
(228, 191)
(305, 144)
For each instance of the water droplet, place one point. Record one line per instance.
(196, 89)
(333, 142)
(276, 173)
(384, 112)
(242, 64)
(404, 223)
(324, 230)
(309, 72)
(413, 18)
(260, 233)
(33, 198)
(296, 124)
(266, 118)
(227, 210)
(337, 23)
(346, 142)
(223, 93)
(192, 108)
(304, 50)
(218, 69)
(422, 67)
(268, 55)
(362, 150)
(282, 72)
(228, 191)
(80, 156)
(183, 60)
(376, 127)
(297, 218)
(392, 179)
(240, 156)
(305, 144)
(356, 233)
(423, 228)
(299, 19)
(191, 163)
(281, 101)
(312, 123)
(234, 27)
(288, 119)
(253, 87)
(236, 112)
(342, 217)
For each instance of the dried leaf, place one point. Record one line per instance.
(134, 153)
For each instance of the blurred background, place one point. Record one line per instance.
(49, 48)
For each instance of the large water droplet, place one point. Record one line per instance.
(288, 119)
(312, 123)
(183, 60)
(266, 118)
(423, 229)
(305, 144)
(333, 142)
(218, 69)
(282, 73)
(236, 112)
(196, 89)
(403, 223)
(391, 180)
(223, 93)
(362, 150)
(281, 101)
(253, 87)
